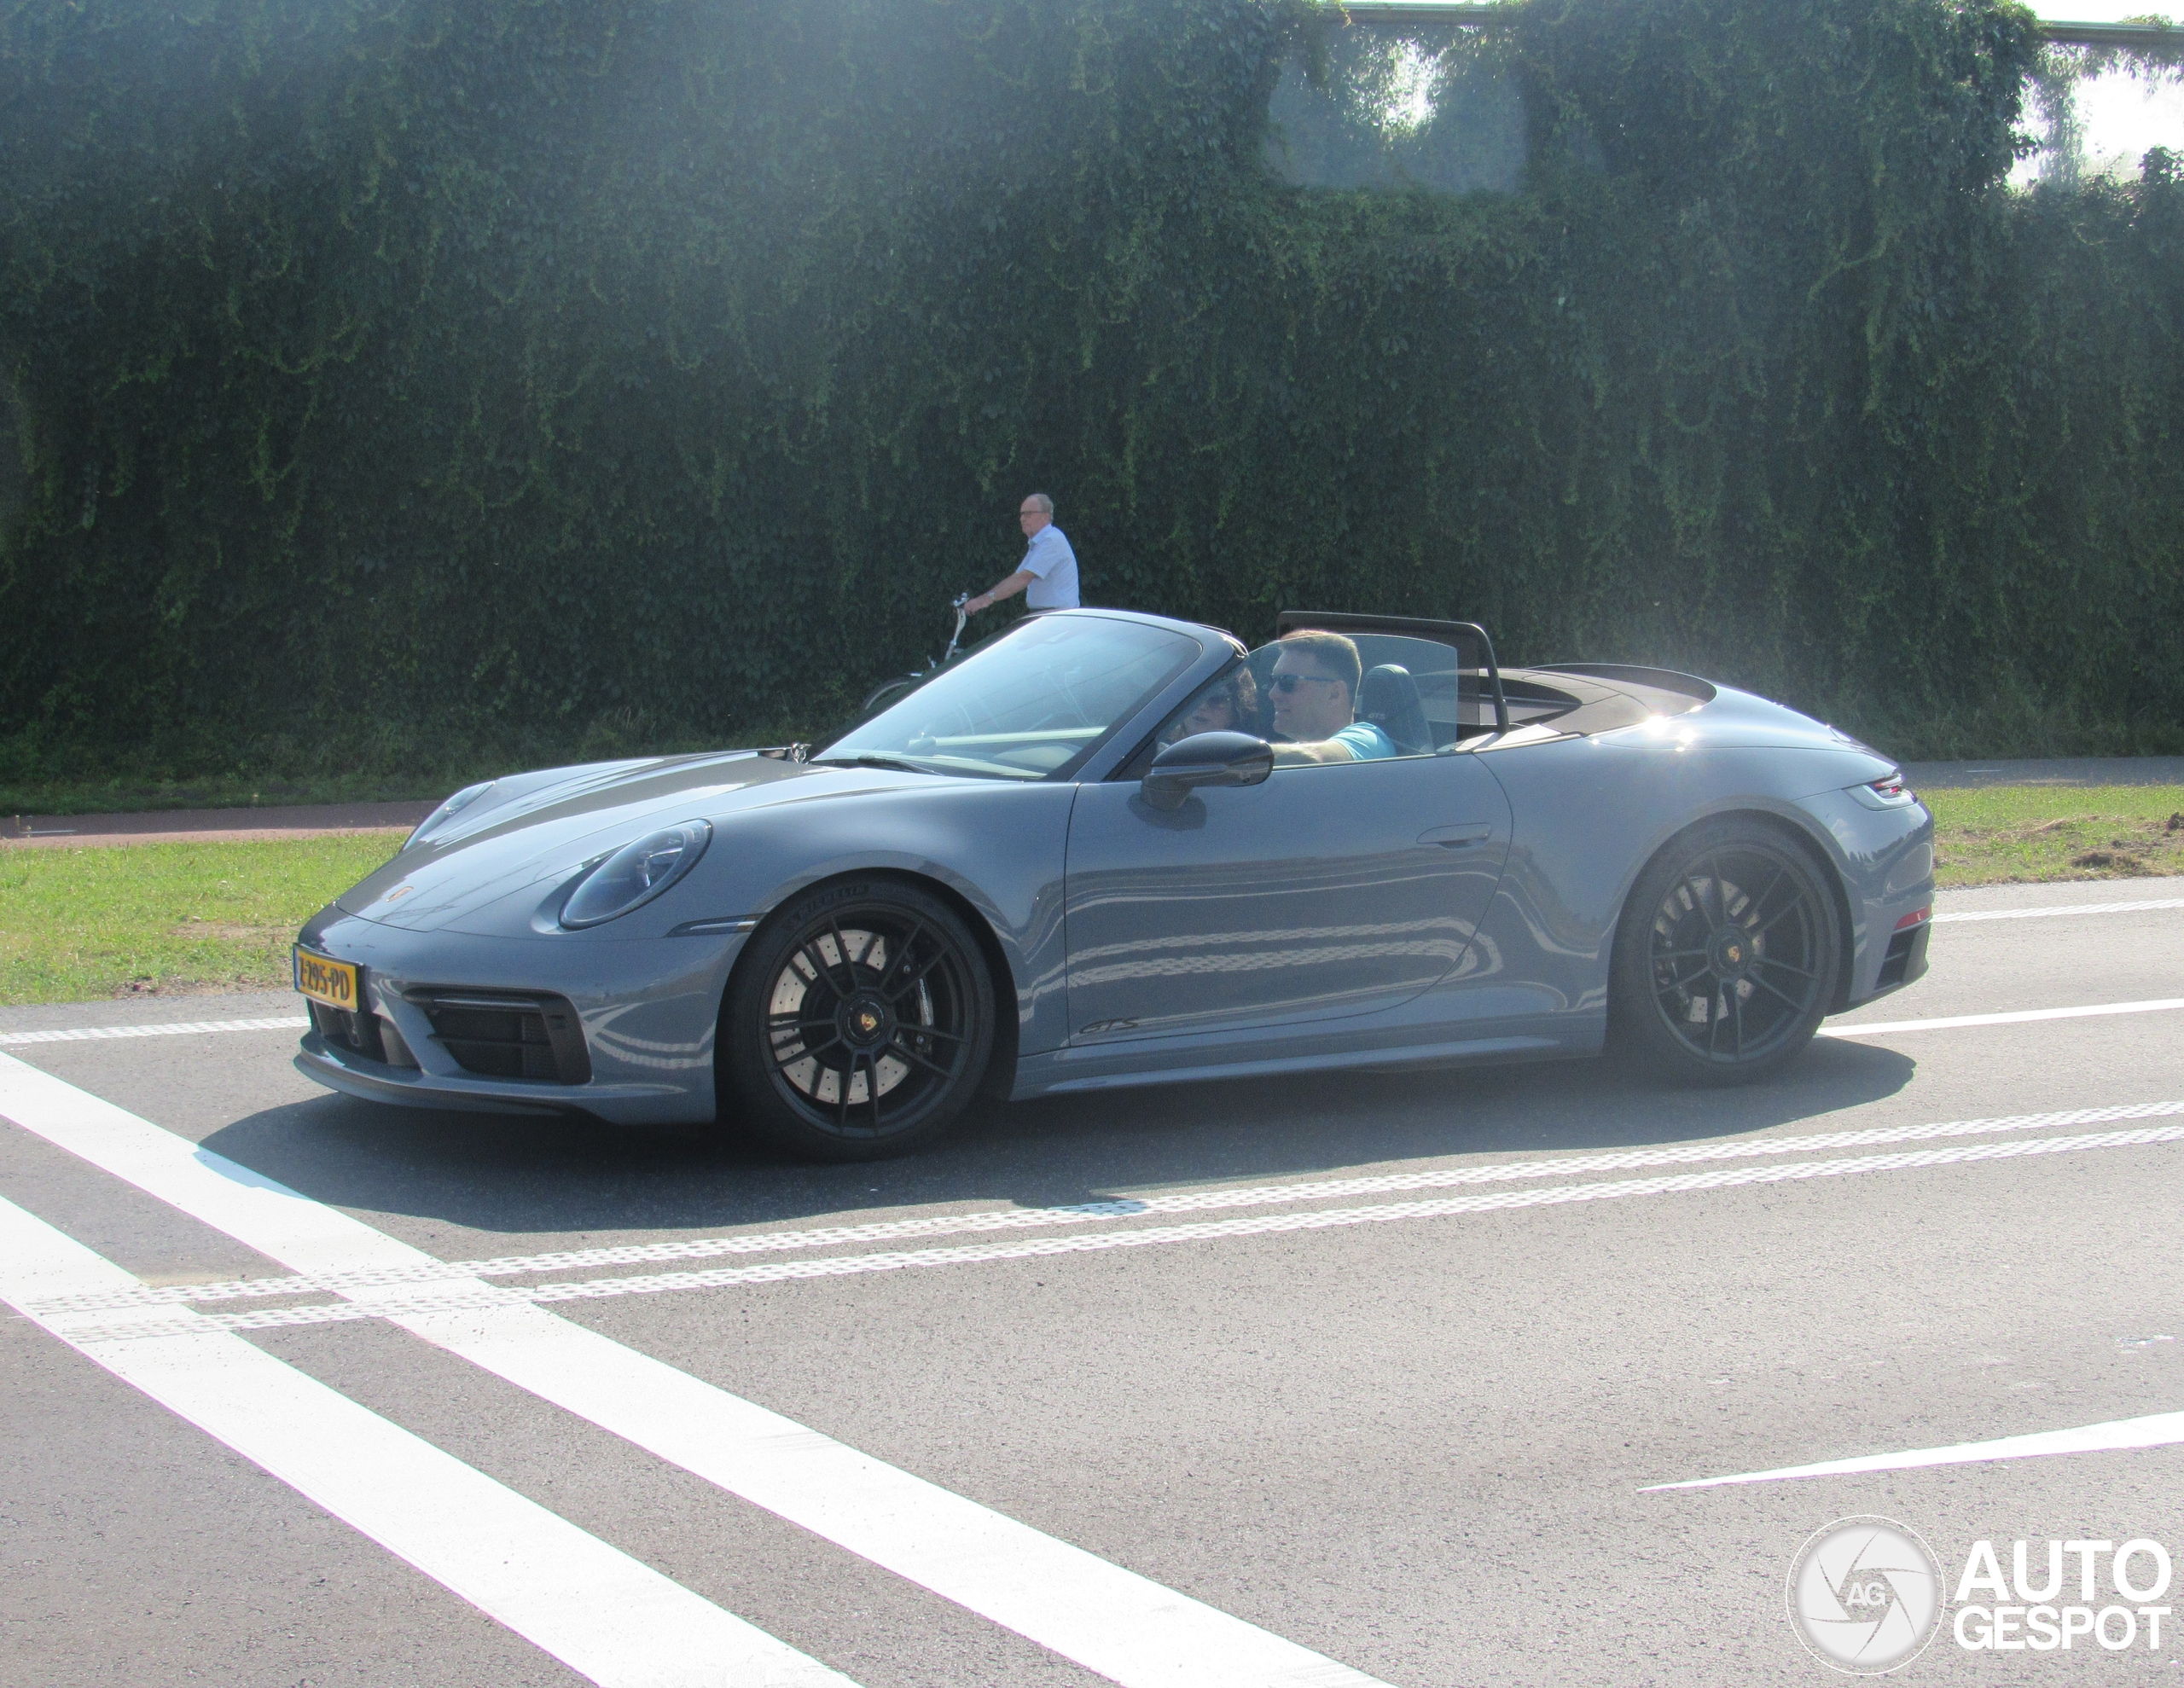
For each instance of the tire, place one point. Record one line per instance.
(1727, 957)
(858, 1024)
(886, 692)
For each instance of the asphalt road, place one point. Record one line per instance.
(1401, 1404)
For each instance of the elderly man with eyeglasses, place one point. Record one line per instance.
(1314, 687)
(1050, 566)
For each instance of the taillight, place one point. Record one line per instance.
(1889, 791)
(1917, 917)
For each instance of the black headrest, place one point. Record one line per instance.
(1388, 698)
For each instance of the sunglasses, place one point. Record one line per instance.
(1290, 683)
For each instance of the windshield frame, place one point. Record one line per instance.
(1185, 673)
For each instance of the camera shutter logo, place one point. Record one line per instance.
(1865, 1595)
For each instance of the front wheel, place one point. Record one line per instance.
(1727, 956)
(859, 1024)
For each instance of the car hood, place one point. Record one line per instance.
(541, 829)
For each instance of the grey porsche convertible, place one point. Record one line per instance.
(1108, 849)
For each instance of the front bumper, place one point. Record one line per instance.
(648, 1011)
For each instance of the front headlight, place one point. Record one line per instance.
(462, 800)
(637, 873)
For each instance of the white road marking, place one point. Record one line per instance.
(2159, 1429)
(448, 1294)
(2064, 908)
(11, 1040)
(1877, 1027)
(1113, 1621)
(603, 1614)
(1123, 1207)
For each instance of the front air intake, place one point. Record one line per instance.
(359, 1034)
(505, 1035)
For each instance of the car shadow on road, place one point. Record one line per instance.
(555, 1177)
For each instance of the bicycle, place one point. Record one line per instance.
(891, 691)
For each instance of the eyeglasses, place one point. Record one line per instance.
(1289, 682)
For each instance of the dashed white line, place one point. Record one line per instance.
(2157, 1430)
(1125, 1207)
(1113, 1622)
(603, 1614)
(2061, 909)
(447, 1293)
(12, 1040)
(2018, 1017)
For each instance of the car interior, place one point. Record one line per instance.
(1045, 695)
(1433, 696)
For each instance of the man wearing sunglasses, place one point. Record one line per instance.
(1314, 687)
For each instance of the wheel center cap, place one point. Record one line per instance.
(1732, 953)
(865, 1021)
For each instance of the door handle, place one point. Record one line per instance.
(1455, 838)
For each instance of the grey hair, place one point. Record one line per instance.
(1046, 504)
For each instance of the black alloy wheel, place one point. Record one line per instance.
(858, 1024)
(1727, 956)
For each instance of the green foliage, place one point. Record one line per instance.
(498, 371)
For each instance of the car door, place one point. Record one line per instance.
(1327, 891)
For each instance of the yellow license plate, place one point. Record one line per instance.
(325, 980)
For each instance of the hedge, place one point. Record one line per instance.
(387, 371)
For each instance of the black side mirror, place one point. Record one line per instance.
(1205, 759)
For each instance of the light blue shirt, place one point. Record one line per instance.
(1053, 565)
(1365, 742)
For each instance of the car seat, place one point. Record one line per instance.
(1388, 698)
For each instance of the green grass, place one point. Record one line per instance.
(169, 918)
(2007, 834)
(76, 925)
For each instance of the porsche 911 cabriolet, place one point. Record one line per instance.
(1108, 849)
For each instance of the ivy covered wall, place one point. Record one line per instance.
(388, 369)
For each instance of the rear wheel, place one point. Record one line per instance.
(1727, 956)
(859, 1025)
(888, 692)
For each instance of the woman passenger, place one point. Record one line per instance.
(1230, 705)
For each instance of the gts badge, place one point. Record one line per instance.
(1099, 1026)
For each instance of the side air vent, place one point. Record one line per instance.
(1903, 949)
(502, 1035)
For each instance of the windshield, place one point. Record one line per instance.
(1031, 705)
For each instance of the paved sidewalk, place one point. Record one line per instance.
(211, 825)
(2083, 770)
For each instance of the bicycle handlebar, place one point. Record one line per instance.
(962, 615)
